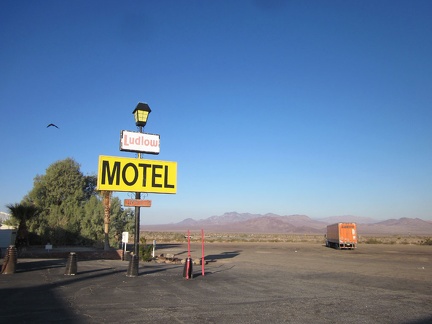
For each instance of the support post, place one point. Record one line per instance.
(202, 253)
(135, 261)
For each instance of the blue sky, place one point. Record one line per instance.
(320, 108)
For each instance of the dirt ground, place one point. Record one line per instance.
(382, 283)
(242, 283)
(405, 262)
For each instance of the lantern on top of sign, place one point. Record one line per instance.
(141, 112)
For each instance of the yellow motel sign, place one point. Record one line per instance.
(136, 175)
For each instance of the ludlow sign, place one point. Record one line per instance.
(139, 142)
(136, 175)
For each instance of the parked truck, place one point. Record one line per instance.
(342, 236)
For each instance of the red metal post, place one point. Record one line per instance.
(202, 252)
(189, 251)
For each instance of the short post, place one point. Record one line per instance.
(71, 265)
(10, 261)
(187, 271)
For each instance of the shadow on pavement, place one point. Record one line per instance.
(426, 320)
(39, 265)
(182, 252)
(223, 255)
(167, 246)
(143, 273)
(40, 303)
(27, 297)
(209, 273)
(26, 305)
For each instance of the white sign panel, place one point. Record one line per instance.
(125, 237)
(139, 142)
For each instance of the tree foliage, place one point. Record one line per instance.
(122, 220)
(22, 213)
(70, 210)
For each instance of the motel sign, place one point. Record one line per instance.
(136, 175)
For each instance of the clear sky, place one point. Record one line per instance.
(321, 108)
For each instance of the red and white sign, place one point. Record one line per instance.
(139, 142)
(137, 203)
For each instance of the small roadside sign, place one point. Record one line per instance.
(137, 203)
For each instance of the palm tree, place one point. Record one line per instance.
(22, 213)
(106, 195)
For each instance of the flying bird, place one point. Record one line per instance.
(52, 125)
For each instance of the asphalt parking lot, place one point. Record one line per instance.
(243, 283)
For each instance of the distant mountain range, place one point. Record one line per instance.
(295, 224)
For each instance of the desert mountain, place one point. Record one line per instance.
(295, 224)
(403, 225)
(348, 219)
(225, 219)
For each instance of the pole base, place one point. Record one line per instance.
(133, 266)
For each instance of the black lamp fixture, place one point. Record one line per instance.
(141, 113)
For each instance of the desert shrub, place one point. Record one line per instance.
(372, 241)
(428, 241)
(178, 237)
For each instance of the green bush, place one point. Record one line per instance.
(145, 250)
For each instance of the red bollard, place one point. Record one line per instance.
(187, 271)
